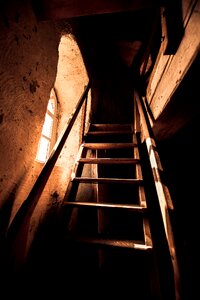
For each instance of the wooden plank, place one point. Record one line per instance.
(135, 208)
(132, 244)
(113, 132)
(175, 66)
(161, 60)
(107, 127)
(120, 161)
(83, 121)
(187, 8)
(147, 233)
(136, 151)
(76, 164)
(136, 125)
(107, 180)
(62, 9)
(142, 197)
(138, 174)
(105, 146)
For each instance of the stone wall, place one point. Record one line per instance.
(28, 66)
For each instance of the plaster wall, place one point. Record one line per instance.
(28, 65)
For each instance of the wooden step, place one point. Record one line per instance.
(112, 127)
(105, 146)
(108, 132)
(105, 242)
(109, 161)
(107, 180)
(134, 208)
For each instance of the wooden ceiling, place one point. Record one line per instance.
(63, 9)
(128, 22)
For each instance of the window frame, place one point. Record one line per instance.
(53, 133)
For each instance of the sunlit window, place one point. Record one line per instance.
(48, 136)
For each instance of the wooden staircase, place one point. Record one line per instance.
(112, 234)
(105, 215)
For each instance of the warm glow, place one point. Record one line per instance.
(43, 149)
(47, 127)
(46, 142)
(51, 104)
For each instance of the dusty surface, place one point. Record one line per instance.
(70, 82)
(27, 74)
(31, 61)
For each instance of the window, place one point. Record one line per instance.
(48, 136)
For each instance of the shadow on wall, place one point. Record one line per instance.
(5, 215)
(6, 210)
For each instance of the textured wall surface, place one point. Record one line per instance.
(28, 65)
(34, 59)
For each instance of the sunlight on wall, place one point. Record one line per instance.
(69, 85)
(71, 77)
(48, 136)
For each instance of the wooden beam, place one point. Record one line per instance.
(106, 146)
(100, 205)
(183, 108)
(105, 160)
(105, 242)
(169, 70)
(62, 9)
(107, 180)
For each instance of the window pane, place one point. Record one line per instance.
(51, 106)
(47, 127)
(43, 150)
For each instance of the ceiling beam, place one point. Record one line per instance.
(62, 9)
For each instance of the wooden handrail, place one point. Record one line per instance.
(83, 119)
(28, 205)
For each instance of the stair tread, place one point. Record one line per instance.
(133, 207)
(109, 180)
(106, 126)
(101, 241)
(109, 132)
(111, 124)
(109, 160)
(109, 145)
